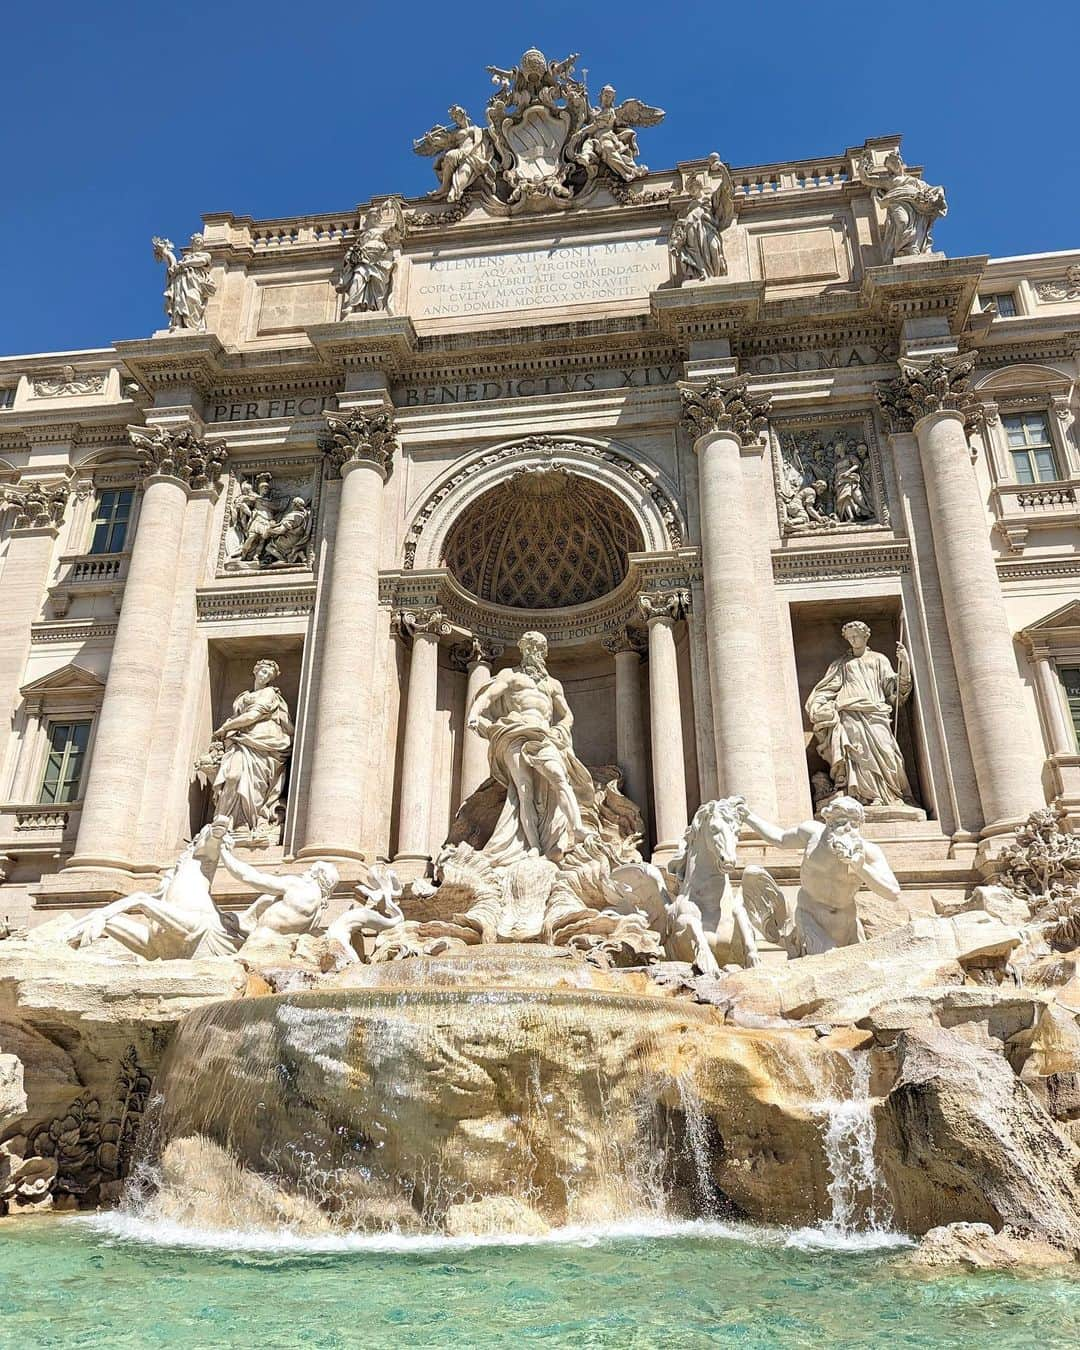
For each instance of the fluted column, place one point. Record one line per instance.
(629, 721)
(933, 400)
(426, 627)
(726, 421)
(178, 463)
(476, 658)
(36, 513)
(662, 610)
(360, 447)
(1059, 733)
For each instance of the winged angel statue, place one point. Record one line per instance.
(544, 141)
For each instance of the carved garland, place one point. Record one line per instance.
(548, 446)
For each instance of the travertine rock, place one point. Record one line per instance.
(844, 984)
(961, 1139)
(81, 1036)
(976, 1246)
(997, 901)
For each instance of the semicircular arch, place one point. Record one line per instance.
(640, 488)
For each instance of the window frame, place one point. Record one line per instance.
(1030, 448)
(110, 521)
(994, 298)
(52, 724)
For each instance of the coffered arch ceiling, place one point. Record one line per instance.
(543, 538)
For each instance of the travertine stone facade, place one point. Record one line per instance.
(686, 422)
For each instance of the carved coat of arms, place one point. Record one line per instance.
(544, 141)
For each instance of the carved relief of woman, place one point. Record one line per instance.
(254, 745)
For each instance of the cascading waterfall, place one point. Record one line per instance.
(857, 1191)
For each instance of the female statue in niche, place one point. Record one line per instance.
(248, 755)
(851, 711)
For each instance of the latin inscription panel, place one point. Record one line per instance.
(537, 278)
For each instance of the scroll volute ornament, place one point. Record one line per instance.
(940, 385)
(724, 405)
(360, 436)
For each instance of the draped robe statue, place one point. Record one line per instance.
(550, 797)
(851, 711)
(253, 745)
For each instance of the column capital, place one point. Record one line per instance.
(667, 606)
(37, 506)
(422, 623)
(474, 652)
(940, 385)
(722, 406)
(360, 436)
(623, 640)
(179, 453)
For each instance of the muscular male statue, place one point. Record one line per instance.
(525, 719)
(837, 861)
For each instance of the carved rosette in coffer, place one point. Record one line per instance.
(271, 510)
(827, 475)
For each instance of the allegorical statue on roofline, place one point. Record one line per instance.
(544, 142)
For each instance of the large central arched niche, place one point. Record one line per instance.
(544, 538)
(599, 472)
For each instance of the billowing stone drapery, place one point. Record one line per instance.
(933, 400)
(629, 723)
(177, 462)
(725, 419)
(426, 627)
(476, 658)
(360, 447)
(662, 610)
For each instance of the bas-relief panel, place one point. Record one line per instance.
(827, 476)
(271, 511)
(287, 307)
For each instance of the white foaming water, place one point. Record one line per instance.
(861, 1215)
(125, 1227)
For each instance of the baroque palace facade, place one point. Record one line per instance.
(687, 423)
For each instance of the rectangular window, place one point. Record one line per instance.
(1031, 448)
(62, 779)
(1004, 302)
(111, 518)
(1070, 678)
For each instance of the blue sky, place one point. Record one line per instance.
(121, 120)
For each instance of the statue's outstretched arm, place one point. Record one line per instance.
(259, 881)
(798, 836)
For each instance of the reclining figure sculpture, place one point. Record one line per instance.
(180, 921)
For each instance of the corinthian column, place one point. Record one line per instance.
(933, 400)
(629, 723)
(359, 448)
(726, 421)
(426, 627)
(177, 463)
(662, 610)
(476, 658)
(36, 512)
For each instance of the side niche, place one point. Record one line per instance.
(827, 476)
(270, 515)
